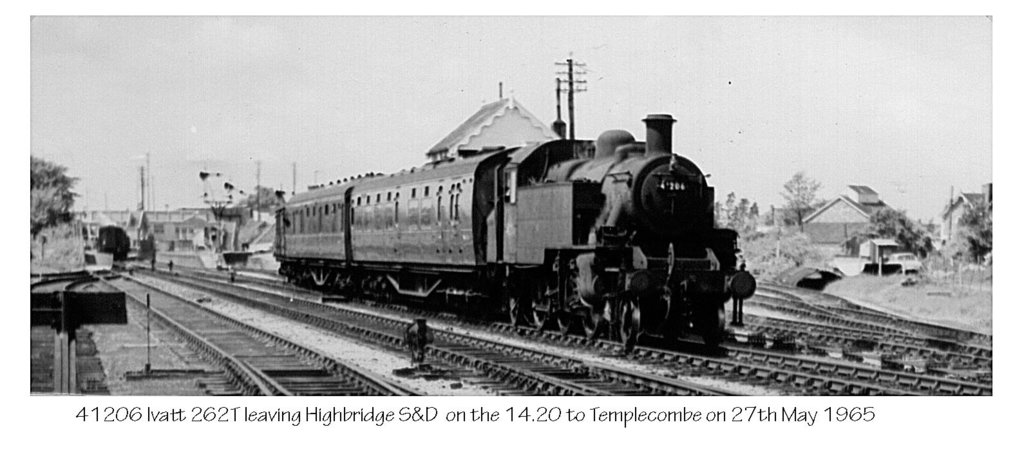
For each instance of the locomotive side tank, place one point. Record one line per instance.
(613, 237)
(653, 260)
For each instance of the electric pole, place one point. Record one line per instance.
(574, 69)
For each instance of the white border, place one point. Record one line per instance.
(924, 426)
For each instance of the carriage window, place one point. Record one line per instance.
(413, 193)
(426, 191)
(378, 197)
(396, 212)
(451, 206)
(439, 207)
(510, 186)
(389, 196)
(457, 206)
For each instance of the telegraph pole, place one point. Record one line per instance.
(142, 188)
(149, 177)
(572, 117)
(574, 69)
(293, 178)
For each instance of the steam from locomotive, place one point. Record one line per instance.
(609, 237)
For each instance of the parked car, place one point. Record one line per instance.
(908, 262)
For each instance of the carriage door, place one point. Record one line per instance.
(452, 224)
(348, 218)
(441, 220)
(509, 199)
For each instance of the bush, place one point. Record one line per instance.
(769, 254)
(64, 248)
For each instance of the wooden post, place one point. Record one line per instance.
(148, 365)
(64, 352)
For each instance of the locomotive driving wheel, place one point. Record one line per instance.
(530, 308)
(565, 321)
(629, 322)
(590, 320)
(712, 321)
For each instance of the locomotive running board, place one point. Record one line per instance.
(411, 293)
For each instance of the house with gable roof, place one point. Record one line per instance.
(848, 214)
(503, 123)
(955, 208)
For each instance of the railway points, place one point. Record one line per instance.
(801, 374)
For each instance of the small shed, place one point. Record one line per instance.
(874, 249)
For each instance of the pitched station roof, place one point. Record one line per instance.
(482, 118)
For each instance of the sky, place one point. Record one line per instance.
(900, 104)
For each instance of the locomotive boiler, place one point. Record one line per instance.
(610, 237)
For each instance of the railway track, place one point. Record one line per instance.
(259, 362)
(65, 281)
(791, 373)
(975, 353)
(908, 348)
(853, 311)
(516, 368)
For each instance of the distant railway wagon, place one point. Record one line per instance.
(111, 245)
(612, 236)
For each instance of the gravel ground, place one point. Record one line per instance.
(122, 349)
(367, 357)
(579, 354)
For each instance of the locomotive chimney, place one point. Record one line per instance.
(659, 133)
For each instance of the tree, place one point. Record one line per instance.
(50, 194)
(741, 216)
(976, 231)
(801, 194)
(268, 200)
(894, 224)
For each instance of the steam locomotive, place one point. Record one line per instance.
(614, 237)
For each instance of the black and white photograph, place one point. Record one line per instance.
(511, 206)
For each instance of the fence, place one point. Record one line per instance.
(960, 275)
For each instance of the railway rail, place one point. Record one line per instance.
(524, 369)
(964, 351)
(260, 362)
(826, 338)
(792, 373)
(849, 309)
